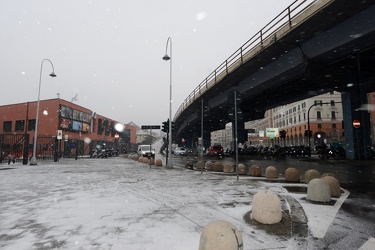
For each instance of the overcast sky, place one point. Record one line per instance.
(110, 52)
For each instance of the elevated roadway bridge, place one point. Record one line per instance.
(309, 49)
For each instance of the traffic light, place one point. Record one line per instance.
(306, 134)
(310, 133)
(165, 127)
(172, 123)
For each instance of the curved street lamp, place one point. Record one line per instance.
(169, 58)
(33, 160)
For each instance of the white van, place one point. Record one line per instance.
(144, 151)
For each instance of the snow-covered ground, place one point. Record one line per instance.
(118, 203)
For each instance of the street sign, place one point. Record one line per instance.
(356, 123)
(150, 127)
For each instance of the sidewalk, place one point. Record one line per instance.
(118, 203)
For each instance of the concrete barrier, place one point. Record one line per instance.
(228, 167)
(334, 185)
(158, 162)
(292, 175)
(241, 169)
(200, 165)
(218, 167)
(271, 172)
(255, 171)
(220, 235)
(266, 207)
(311, 174)
(209, 166)
(318, 190)
(189, 165)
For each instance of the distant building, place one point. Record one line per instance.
(81, 128)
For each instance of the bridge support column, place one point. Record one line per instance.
(357, 140)
(241, 132)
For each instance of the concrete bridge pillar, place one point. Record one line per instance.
(354, 103)
(241, 131)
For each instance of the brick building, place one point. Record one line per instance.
(81, 129)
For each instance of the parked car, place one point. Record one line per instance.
(180, 151)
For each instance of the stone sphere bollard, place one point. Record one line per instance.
(158, 162)
(255, 171)
(220, 235)
(126, 156)
(292, 175)
(318, 190)
(140, 159)
(328, 174)
(271, 172)
(218, 167)
(152, 161)
(334, 185)
(146, 160)
(266, 207)
(189, 165)
(241, 169)
(311, 174)
(200, 165)
(228, 167)
(209, 165)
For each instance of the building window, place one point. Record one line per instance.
(20, 125)
(318, 102)
(31, 125)
(318, 115)
(332, 103)
(333, 125)
(7, 126)
(319, 125)
(333, 114)
(299, 118)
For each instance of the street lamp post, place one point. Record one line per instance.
(33, 160)
(169, 58)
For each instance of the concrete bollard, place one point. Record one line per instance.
(318, 190)
(218, 167)
(255, 171)
(140, 159)
(158, 162)
(200, 165)
(311, 174)
(220, 235)
(209, 166)
(241, 169)
(228, 167)
(292, 175)
(189, 165)
(334, 186)
(271, 172)
(146, 160)
(266, 207)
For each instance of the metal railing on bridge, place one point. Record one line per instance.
(278, 26)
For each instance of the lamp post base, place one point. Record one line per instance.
(33, 161)
(170, 163)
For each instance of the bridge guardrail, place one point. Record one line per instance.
(282, 23)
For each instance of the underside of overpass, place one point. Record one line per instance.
(334, 49)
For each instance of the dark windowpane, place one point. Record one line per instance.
(31, 125)
(20, 125)
(7, 126)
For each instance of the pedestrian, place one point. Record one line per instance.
(11, 158)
